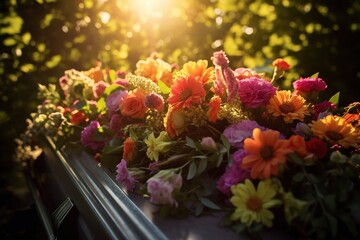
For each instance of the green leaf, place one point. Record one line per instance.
(335, 98)
(112, 149)
(202, 165)
(315, 75)
(192, 171)
(190, 143)
(163, 88)
(298, 177)
(296, 158)
(112, 88)
(80, 105)
(208, 203)
(333, 224)
(199, 209)
(101, 106)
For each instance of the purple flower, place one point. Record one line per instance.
(234, 174)
(87, 136)
(238, 132)
(116, 122)
(161, 190)
(113, 101)
(309, 84)
(255, 92)
(98, 88)
(124, 177)
(154, 101)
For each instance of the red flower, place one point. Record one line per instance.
(317, 147)
(77, 117)
(281, 63)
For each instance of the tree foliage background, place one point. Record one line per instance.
(40, 39)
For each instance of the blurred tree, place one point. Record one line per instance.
(40, 39)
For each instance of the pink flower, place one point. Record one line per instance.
(124, 177)
(234, 174)
(209, 144)
(238, 132)
(98, 88)
(87, 136)
(161, 190)
(242, 73)
(154, 101)
(114, 100)
(322, 107)
(255, 92)
(309, 84)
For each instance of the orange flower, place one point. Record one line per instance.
(129, 149)
(199, 69)
(266, 152)
(298, 145)
(186, 92)
(77, 117)
(95, 73)
(214, 107)
(175, 122)
(281, 63)
(133, 105)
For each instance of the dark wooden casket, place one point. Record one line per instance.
(77, 199)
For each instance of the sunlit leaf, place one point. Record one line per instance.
(208, 203)
(335, 98)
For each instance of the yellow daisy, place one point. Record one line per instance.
(157, 145)
(335, 130)
(252, 205)
(289, 107)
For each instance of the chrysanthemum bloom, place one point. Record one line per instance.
(124, 177)
(289, 107)
(199, 69)
(252, 205)
(99, 88)
(154, 101)
(114, 100)
(161, 189)
(234, 174)
(158, 145)
(321, 107)
(175, 122)
(129, 149)
(266, 152)
(309, 88)
(238, 132)
(186, 92)
(335, 130)
(87, 136)
(133, 104)
(242, 73)
(255, 92)
(214, 108)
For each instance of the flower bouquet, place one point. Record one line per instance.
(200, 138)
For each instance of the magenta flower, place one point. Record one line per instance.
(99, 88)
(255, 92)
(234, 174)
(114, 100)
(238, 132)
(309, 84)
(116, 122)
(87, 136)
(154, 101)
(124, 177)
(322, 107)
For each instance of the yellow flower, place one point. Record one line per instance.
(199, 69)
(157, 145)
(252, 205)
(335, 130)
(289, 107)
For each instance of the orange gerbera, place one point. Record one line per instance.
(186, 92)
(214, 108)
(199, 69)
(289, 107)
(266, 152)
(335, 130)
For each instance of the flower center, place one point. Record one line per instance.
(334, 135)
(287, 107)
(254, 203)
(185, 94)
(266, 152)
